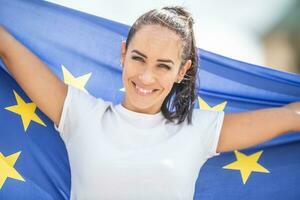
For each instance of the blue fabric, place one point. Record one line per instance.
(84, 44)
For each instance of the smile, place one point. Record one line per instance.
(142, 91)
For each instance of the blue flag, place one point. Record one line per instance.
(84, 50)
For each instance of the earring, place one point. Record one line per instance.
(178, 81)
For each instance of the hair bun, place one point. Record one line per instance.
(182, 12)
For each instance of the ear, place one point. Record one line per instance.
(123, 51)
(183, 70)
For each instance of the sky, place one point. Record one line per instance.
(231, 28)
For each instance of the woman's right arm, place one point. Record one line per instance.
(42, 86)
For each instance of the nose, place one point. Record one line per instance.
(147, 77)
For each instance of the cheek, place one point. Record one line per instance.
(165, 79)
(127, 72)
(130, 69)
(167, 83)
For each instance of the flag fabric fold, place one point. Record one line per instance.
(84, 50)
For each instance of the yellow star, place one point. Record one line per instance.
(26, 111)
(78, 82)
(246, 164)
(7, 168)
(205, 106)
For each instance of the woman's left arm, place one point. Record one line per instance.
(245, 129)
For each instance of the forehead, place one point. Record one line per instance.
(157, 41)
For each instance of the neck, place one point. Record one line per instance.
(151, 111)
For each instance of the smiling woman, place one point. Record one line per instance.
(160, 60)
(153, 144)
(149, 73)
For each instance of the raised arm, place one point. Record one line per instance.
(242, 130)
(42, 86)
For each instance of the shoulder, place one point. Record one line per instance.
(79, 108)
(84, 98)
(203, 122)
(80, 104)
(201, 116)
(207, 127)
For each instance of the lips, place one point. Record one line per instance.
(142, 91)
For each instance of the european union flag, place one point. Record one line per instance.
(84, 51)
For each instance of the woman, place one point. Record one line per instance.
(153, 144)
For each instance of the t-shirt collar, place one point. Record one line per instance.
(140, 120)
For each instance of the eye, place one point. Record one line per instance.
(137, 58)
(165, 66)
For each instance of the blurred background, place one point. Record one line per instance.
(260, 32)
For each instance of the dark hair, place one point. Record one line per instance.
(179, 103)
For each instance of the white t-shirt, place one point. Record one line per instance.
(116, 153)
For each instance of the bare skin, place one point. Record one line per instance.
(43, 87)
(49, 92)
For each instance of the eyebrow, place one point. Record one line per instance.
(160, 60)
(165, 60)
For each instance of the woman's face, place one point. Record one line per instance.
(151, 65)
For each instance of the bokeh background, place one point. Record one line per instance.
(259, 32)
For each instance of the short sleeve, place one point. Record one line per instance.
(208, 125)
(78, 107)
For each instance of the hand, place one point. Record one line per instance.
(295, 111)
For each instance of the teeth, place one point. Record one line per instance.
(143, 91)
